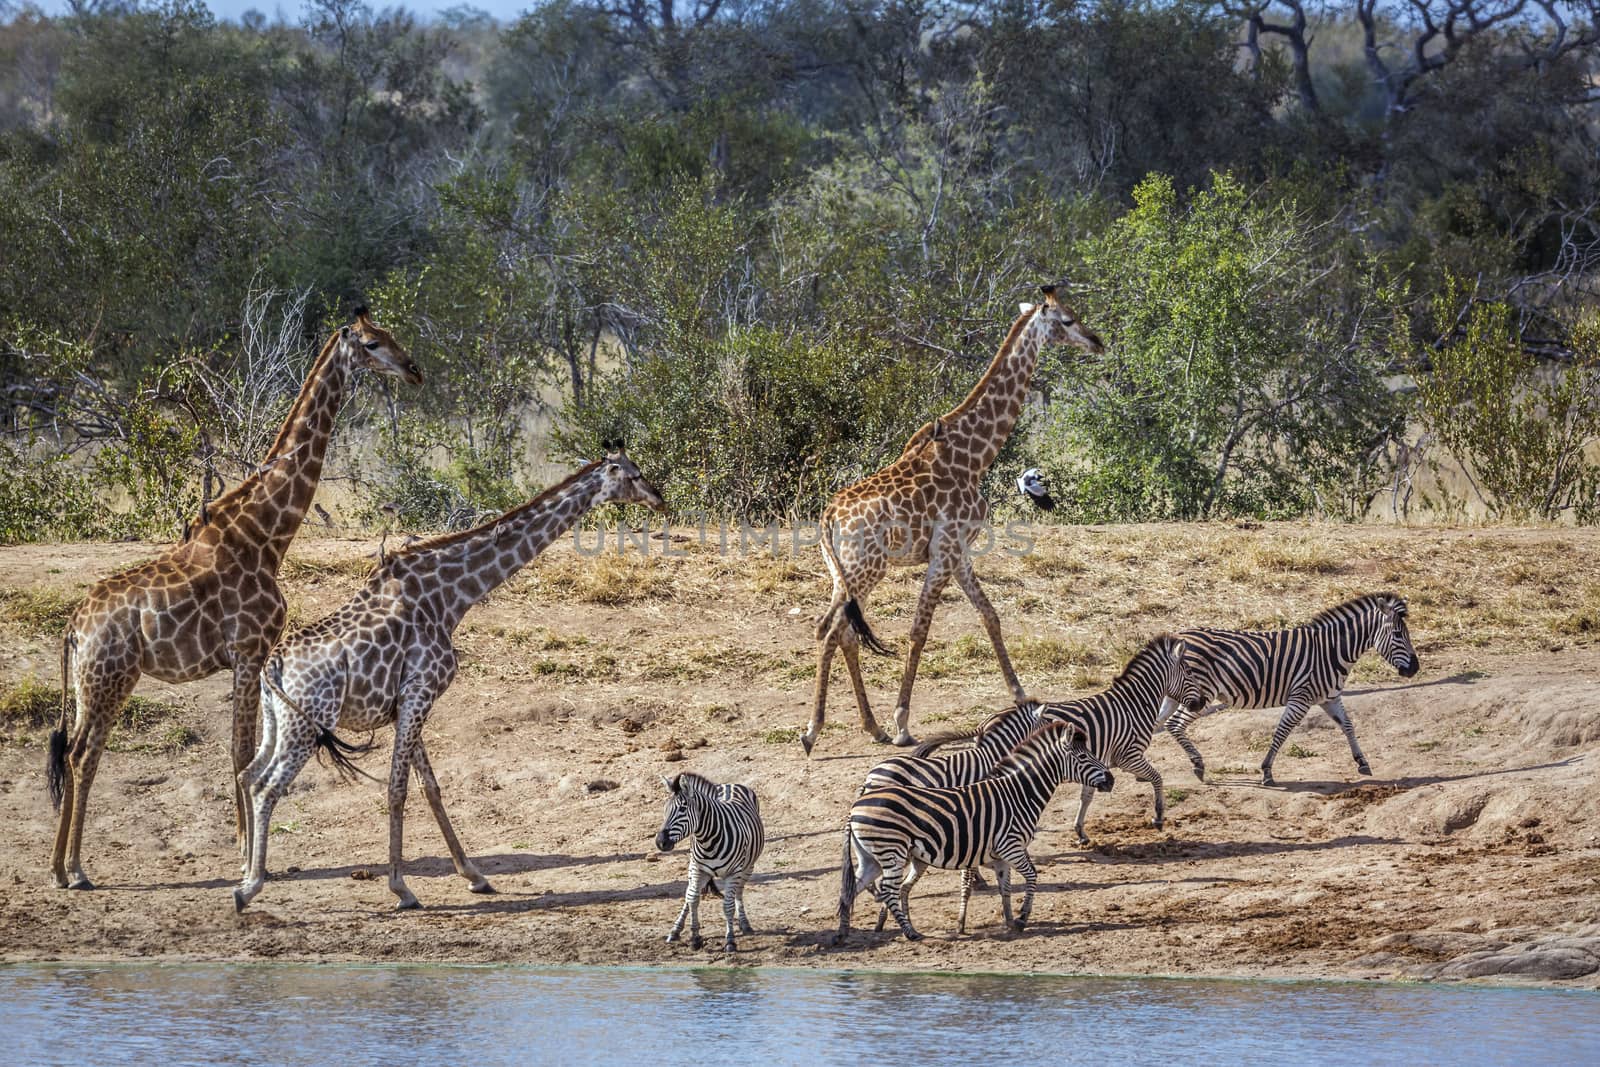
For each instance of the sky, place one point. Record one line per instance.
(504, 10)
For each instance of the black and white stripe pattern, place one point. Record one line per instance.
(1117, 722)
(928, 768)
(1292, 669)
(895, 830)
(723, 825)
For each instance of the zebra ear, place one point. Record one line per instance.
(667, 782)
(675, 784)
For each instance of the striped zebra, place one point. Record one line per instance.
(1118, 721)
(1292, 669)
(930, 769)
(899, 829)
(723, 825)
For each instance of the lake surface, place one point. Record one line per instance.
(136, 1014)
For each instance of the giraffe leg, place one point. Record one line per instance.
(1335, 710)
(430, 789)
(968, 581)
(933, 583)
(826, 644)
(1144, 771)
(246, 710)
(1291, 718)
(294, 739)
(100, 699)
(850, 645)
(413, 711)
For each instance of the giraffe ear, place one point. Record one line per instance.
(344, 333)
(1025, 307)
(360, 312)
(1048, 290)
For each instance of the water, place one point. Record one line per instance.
(346, 1015)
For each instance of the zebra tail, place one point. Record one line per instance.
(56, 762)
(858, 623)
(847, 879)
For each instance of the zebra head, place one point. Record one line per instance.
(1081, 765)
(677, 819)
(1393, 639)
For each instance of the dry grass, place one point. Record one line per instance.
(30, 704)
(41, 611)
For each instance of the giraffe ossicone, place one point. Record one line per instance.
(927, 507)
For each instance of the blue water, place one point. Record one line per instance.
(485, 1016)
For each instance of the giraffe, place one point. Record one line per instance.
(386, 656)
(926, 507)
(207, 604)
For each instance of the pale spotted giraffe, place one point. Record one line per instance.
(387, 655)
(926, 507)
(210, 603)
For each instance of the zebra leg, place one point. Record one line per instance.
(914, 871)
(1083, 809)
(1144, 771)
(968, 877)
(860, 868)
(731, 888)
(1019, 860)
(889, 894)
(1178, 727)
(1336, 711)
(744, 916)
(1002, 880)
(691, 906)
(1291, 718)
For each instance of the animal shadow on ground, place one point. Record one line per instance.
(421, 867)
(1332, 789)
(1200, 849)
(1463, 678)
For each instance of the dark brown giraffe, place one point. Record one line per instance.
(210, 603)
(926, 507)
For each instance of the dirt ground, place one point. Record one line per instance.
(1472, 853)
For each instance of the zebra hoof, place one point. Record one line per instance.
(729, 947)
(1200, 771)
(912, 935)
(1017, 925)
(1156, 822)
(1266, 778)
(746, 928)
(697, 941)
(1364, 768)
(672, 939)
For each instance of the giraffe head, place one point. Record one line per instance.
(366, 344)
(1063, 323)
(621, 482)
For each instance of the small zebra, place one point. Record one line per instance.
(723, 825)
(1292, 669)
(989, 822)
(1118, 721)
(929, 769)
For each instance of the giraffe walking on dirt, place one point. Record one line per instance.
(386, 656)
(926, 507)
(209, 603)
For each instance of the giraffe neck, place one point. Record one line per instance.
(268, 507)
(456, 571)
(977, 428)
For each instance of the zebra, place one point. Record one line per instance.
(1292, 669)
(1118, 721)
(998, 735)
(723, 824)
(989, 822)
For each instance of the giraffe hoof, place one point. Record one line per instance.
(904, 739)
(806, 741)
(58, 880)
(80, 882)
(481, 886)
(408, 904)
(239, 901)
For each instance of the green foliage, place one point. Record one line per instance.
(1523, 434)
(1246, 366)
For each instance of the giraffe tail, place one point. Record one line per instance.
(56, 767)
(858, 623)
(340, 751)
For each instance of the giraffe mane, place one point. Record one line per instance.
(444, 540)
(994, 364)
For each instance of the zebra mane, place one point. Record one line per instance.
(1030, 747)
(937, 741)
(690, 784)
(1353, 606)
(1161, 644)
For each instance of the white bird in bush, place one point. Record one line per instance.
(1032, 486)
